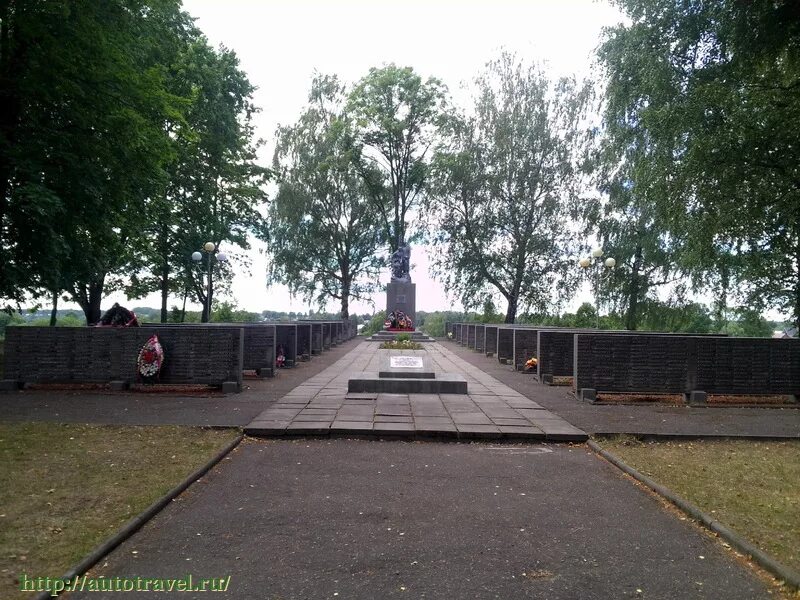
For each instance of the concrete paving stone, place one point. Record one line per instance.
(351, 426)
(320, 404)
(534, 413)
(524, 403)
(296, 399)
(354, 416)
(424, 398)
(564, 435)
(267, 425)
(279, 414)
(358, 402)
(519, 421)
(394, 428)
(513, 431)
(448, 431)
(425, 413)
(308, 427)
(318, 411)
(360, 396)
(314, 417)
(453, 397)
(282, 406)
(501, 413)
(392, 419)
(393, 398)
(462, 408)
(473, 418)
(432, 420)
(471, 430)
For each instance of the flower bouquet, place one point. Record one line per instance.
(530, 365)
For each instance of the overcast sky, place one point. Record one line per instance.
(281, 44)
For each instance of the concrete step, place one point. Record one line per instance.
(443, 383)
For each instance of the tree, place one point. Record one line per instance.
(397, 115)
(711, 91)
(504, 187)
(83, 145)
(324, 230)
(645, 254)
(215, 188)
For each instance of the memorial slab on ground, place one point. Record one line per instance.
(324, 405)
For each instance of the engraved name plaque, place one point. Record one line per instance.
(405, 362)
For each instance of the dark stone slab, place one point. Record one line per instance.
(266, 428)
(394, 428)
(472, 418)
(515, 431)
(392, 419)
(351, 426)
(450, 383)
(309, 428)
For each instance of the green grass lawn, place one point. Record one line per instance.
(752, 487)
(66, 488)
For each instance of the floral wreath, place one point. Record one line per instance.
(151, 358)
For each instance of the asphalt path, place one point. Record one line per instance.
(339, 518)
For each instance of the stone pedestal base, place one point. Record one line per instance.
(402, 296)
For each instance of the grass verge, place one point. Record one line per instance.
(752, 487)
(66, 488)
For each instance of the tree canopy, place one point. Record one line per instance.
(702, 109)
(505, 185)
(325, 231)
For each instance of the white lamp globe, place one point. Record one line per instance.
(611, 263)
(584, 262)
(209, 246)
(222, 257)
(196, 256)
(597, 252)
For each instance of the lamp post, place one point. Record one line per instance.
(588, 261)
(208, 250)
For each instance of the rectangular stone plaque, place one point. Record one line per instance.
(405, 362)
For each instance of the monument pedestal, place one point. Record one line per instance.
(402, 296)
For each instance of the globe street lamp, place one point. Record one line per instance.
(208, 250)
(585, 263)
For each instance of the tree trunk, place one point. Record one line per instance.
(164, 291)
(54, 312)
(183, 308)
(12, 52)
(89, 296)
(345, 314)
(797, 287)
(632, 316)
(511, 313)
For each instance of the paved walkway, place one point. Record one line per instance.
(359, 519)
(648, 420)
(490, 410)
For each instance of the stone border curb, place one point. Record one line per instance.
(779, 570)
(139, 520)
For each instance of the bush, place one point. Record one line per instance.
(375, 324)
(404, 337)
